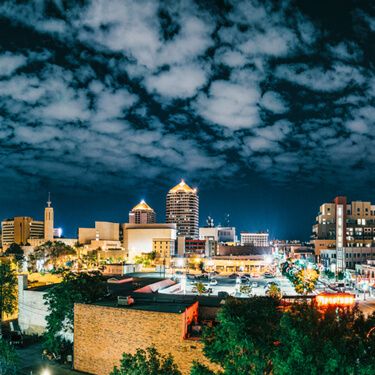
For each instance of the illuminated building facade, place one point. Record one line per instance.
(142, 213)
(182, 208)
(20, 229)
(341, 224)
(255, 239)
(48, 221)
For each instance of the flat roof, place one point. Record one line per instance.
(164, 307)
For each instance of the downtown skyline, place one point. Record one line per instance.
(266, 107)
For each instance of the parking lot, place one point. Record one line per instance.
(229, 284)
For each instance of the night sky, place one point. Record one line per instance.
(266, 107)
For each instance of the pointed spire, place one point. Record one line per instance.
(49, 199)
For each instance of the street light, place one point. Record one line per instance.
(45, 372)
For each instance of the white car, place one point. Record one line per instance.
(212, 282)
(254, 284)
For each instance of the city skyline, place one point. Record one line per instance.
(266, 106)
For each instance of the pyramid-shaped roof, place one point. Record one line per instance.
(142, 205)
(182, 186)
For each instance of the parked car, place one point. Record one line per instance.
(190, 276)
(233, 276)
(212, 282)
(268, 275)
(254, 284)
(244, 279)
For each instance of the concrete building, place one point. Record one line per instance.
(32, 311)
(142, 213)
(351, 257)
(164, 249)
(218, 234)
(182, 208)
(342, 224)
(48, 221)
(20, 230)
(139, 238)
(103, 230)
(260, 239)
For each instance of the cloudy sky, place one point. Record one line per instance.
(267, 107)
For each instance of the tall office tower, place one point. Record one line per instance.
(183, 209)
(142, 213)
(48, 221)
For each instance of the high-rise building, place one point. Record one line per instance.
(183, 210)
(20, 229)
(48, 221)
(343, 224)
(142, 213)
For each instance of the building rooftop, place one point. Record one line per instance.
(182, 186)
(164, 307)
(142, 205)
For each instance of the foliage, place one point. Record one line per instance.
(17, 253)
(243, 341)
(201, 288)
(246, 289)
(274, 291)
(8, 359)
(340, 276)
(305, 281)
(146, 362)
(201, 266)
(60, 299)
(256, 336)
(8, 290)
(329, 274)
(333, 341)
(145, 259)
(199, 369)
(53, 252)
(91, 259)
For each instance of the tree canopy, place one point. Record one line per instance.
(53, 252)
(8, 290)
(260, 336)
(83, 288)
(17, 253)
(146, 362)
(8, 359)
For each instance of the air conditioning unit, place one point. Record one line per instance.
(124, 301)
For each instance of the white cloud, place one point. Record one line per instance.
(318, 79)
(274, 102)
(230, 104)
(9, 63)
(178, 82)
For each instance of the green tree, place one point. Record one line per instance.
(201, 266)
(200, 288)
(274, 291)
(8, 359)
(53, 252)
(330, 341)
(199, 369)
(243, 341)
(246, 289)
(60, 299)
(305, 281)
(146, 362)
(8, 290)
(15, 251)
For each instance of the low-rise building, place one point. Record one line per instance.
(218, 234)
(168, 326)
(139, 238)
(260, 239)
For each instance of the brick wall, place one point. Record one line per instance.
(102, 334)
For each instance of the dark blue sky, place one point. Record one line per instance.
(266, 106)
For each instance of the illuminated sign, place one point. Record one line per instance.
(339, 299)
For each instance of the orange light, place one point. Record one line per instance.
(340, 299)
